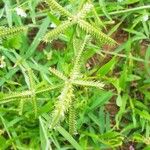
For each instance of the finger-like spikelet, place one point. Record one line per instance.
(88, 83)
(21, 104)
(58, 74)
(87, 7)
(76, 69)
(32, 88)
(100, 36)
(62, 105)
(55, 6)
(35, 108)
(30, 79)
(72, 120)
(58, 30)
(4, 98)
(6, 32)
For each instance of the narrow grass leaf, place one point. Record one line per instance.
(69, 138)
(45, 143)
(105, 97)
(38, 38)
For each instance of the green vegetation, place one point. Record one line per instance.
(74, 74)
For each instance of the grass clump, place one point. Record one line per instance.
(78, 78)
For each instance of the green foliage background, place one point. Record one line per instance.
(75, 74)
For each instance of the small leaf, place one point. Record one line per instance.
(119, 101)
(107, 67)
